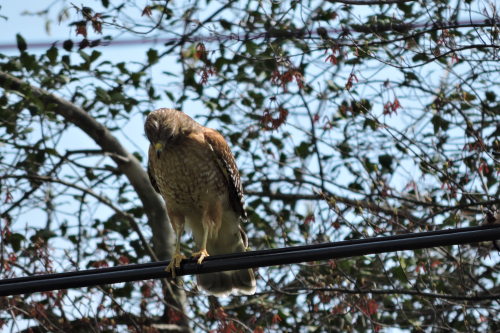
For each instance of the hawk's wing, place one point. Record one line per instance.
(227, 165)
(151, 176)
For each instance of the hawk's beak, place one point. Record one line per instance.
(158, 148)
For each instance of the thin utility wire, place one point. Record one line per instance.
(272, 33)
(253, 259)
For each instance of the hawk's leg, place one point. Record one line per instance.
(211, 220)
(177, 221)
(203, 253)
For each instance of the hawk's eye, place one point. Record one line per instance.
(166, 135)
(152, 130)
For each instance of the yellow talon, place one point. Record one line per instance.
(175, 262)
(202, 254)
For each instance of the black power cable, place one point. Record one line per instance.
(283, 256)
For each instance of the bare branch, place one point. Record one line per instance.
(127, 164)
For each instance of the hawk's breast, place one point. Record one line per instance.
(187, 174)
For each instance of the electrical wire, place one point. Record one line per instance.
(276, 33)
(252, 259)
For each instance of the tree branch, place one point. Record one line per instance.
(475, 298)
(101, 199)
(332, 199)
(127, 164)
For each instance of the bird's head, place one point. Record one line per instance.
(163, 127)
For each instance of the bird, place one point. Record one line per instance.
(193, 169)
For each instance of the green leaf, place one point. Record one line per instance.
(303, 150)
(126, 291)
(420, 57)
(386, 161)
(15, 240)
(94, 55)
(490, 96)
(170, 95)
(226, 119)
(410, 76)
(21, 43)
(152, 56)
(370, 167)
(344, 149)
(225, 24)
(68, 45)
(399, 273)
(370, 123)
(103, 95)
(355, 186)
(439, 123)
(29, 61)
(52, 54)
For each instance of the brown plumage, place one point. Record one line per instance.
(193, 169)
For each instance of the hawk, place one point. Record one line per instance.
(193, 169)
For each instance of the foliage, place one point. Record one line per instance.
(347, 121)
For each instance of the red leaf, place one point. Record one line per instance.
(146, 290)
(84, 43)
(97, 25)
(8, 197)
(350, 80)
(81, 29)
(369, 308)
(12, 257)
(483, 168)
(206, 72)
(228, 328)
(336, 224)
(299, 78)
(220, 313)
(338, 309)
(147, 11)
(309, 219)
(123, 260)
(174, 316)
(372, 307)
(276, 319)
(419, 268)
(391, 107)
(396, 105)
(435, 263)
(282, 79)
(100, 263)
(331, 59)
(271, 123)
(201, 51)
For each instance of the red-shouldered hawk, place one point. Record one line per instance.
(193, 169)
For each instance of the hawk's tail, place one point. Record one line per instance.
(223, 283)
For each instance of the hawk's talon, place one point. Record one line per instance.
(202, 254)
(175, 262)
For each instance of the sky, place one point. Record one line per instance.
(14, 19)
(33, 30)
